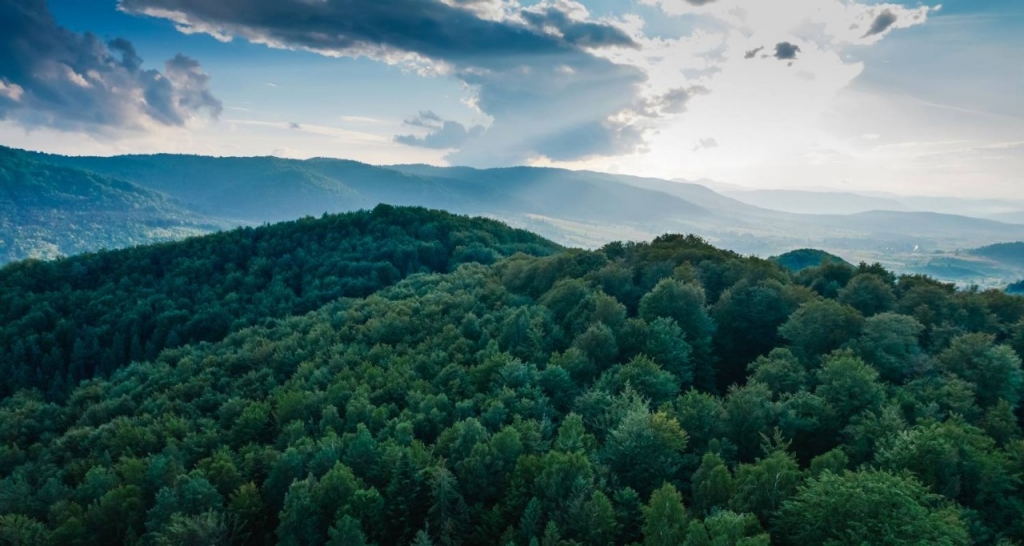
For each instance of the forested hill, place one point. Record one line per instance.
(662, 393)
(1009, 254)
(48, 211)
(798, 260)
(77, 318)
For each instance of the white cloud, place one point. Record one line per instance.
(832, 21)
(773, 69)
(12, 91)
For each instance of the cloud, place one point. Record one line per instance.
(833, 22)
(883, 22)
(540, 73)
(11, 91)
(751, 53)
(674, 101)
(443, 135)
(51, 76)
(785, 51)
(426, 119)
(705, 143)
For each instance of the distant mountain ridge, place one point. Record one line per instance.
(47, 211)
(806, 202)
(574, 208)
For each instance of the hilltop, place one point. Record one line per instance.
(798, 260)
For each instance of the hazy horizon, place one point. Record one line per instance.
(723, 188)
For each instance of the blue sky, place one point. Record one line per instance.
(916, 98)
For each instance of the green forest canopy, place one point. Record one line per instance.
(504, 391)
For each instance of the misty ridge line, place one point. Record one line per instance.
(152, 198)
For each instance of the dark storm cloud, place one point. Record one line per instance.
(443, 135)
(52, 76)
(426, 27)
(785, 51)
(753, 52)
(535, 73)
(881, 23)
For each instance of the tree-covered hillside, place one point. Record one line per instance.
(798, 260)
(48, 211)
(663, 393)
(82, 317)
(1009, 254)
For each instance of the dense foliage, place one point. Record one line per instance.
(83, 317)
(662, 393)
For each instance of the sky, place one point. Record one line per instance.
(855, 95)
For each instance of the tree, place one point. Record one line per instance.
(748, 316)
(725, 528)
(849, 385)
(750, 415)
(644, 375)
(448, 512)
(820, 327)
(762, 487)
(685, 303)
(598, 520)
(644, 450)
(867, 507)
(955, 460)
(665, 520)
(204, 529)
(869, 294)
(422, 539)
(573, 436)
(995, 370)
(889, 342)
(667, 345)
(598, 344)
(780, 371)
(347, 532)
(702, 416)
(299, 524)
(629, 516)
(18, 530)
(712, 485)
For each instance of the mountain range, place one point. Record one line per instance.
(58, 205)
